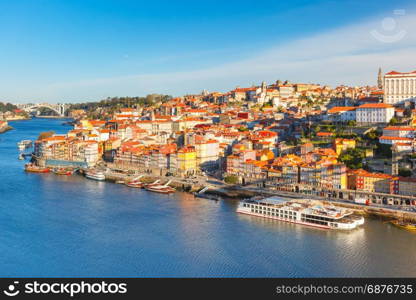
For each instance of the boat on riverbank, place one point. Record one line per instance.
(404, 225)
(36, 169)
(95, 175)
(62, 171)
(135, 184)
(159, 188)
(308, 213)
(152, 184)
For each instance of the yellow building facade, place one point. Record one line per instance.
(343, 144)
(186, 161)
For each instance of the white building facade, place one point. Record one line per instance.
(374, 113)
(399, 87)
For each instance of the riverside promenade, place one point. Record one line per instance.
(217, 188)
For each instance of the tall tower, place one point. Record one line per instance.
(263, 87)
(380, 79)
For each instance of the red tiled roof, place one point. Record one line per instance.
(400, 128)
(400, 73)
(375, 105)
(364, 173)
(325, 133)
(337, 109)
(393, 138)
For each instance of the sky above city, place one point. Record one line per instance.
(87, 50)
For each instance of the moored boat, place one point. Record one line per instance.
(159, 188)
(152, 184)
(135, 184)
(95, 175)
(36, 169)
(62, 171)
(310, 213)
(404, 225)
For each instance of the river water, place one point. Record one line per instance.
(69, 226)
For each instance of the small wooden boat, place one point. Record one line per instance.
(135, 184)
(62, 171)
(152, 184)
(404, 225)
(36, 169)
(159, 188)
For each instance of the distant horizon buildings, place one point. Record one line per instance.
(399, 87)
(392, 88)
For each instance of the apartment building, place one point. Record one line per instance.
(374, 113)
(362, 180)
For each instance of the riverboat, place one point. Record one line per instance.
(152, 184)
(310, 213)
(36, 169)
(62, 171)
(404, 225)
(159, 188)
(95, 175)
(135, 184)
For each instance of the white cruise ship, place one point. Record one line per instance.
(310, 213)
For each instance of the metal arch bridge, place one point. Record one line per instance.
(59, 108)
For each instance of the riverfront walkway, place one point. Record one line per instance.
(377, 201)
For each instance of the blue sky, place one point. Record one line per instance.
(87, 50)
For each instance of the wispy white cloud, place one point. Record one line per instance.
(348, 55)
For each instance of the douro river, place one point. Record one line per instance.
(69, 226)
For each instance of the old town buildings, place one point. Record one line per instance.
(253, 134)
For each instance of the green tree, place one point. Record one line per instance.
(405, 172)
(7, 107)
(393, 121)
(352, 123)
(383, 150)
(372, 135)
(231, 179)
(115, 103)
(352, 158)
